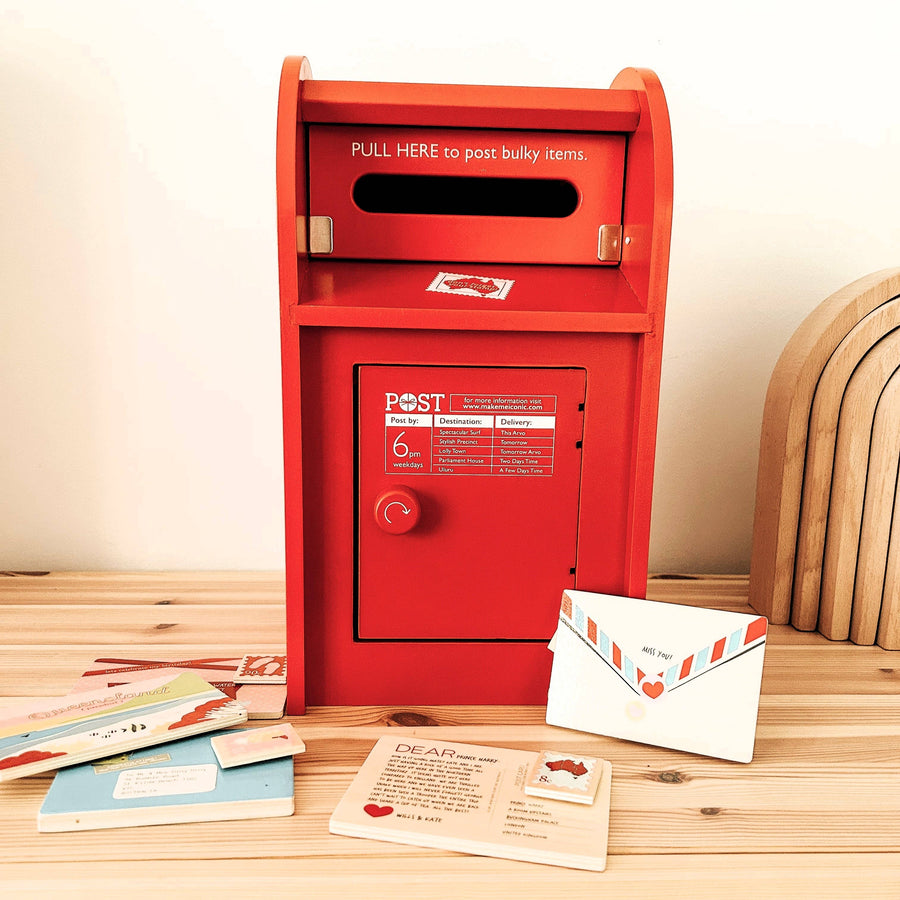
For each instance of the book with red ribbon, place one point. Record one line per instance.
(674, 676)
(263, 698)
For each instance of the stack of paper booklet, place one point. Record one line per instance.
(157, 761)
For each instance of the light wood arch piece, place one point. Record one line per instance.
(878, 510)
(863, 358)
(889, 620)
(848, 491)
(784, 435)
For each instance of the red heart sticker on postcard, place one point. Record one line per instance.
(377, 811)
(652, 689)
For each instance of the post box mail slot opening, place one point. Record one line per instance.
(465, 195)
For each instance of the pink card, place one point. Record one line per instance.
(238, 748)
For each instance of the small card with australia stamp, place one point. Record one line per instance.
(565, 776)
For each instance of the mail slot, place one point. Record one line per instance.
(464, 194)
(472, 300)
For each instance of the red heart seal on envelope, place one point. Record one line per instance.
(653, 689)
(377, 811)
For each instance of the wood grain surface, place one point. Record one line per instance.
(816, 814)
(889, 621)
(866, 355)
(878, 510)
(786, 426)
(848, 487)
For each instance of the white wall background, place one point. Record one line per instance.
(139, 358)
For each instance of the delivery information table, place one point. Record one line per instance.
(815, 815)
(462, 443)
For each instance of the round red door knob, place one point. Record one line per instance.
(397, 510)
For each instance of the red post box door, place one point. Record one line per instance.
(468, 485)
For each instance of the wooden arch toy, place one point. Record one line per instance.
(877, 524)
(825, 545)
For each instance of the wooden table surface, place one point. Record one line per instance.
(816, 814)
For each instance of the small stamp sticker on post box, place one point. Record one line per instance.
(565, 776)
(471, 285)
(261, 668)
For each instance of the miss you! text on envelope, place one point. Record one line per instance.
(658, 673)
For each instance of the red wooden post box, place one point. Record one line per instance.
(472, 297)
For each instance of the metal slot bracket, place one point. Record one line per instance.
(609, 243)
(321, 234)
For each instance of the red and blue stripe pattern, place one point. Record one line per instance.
(725, 649)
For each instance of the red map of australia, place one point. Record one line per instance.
(567, 765)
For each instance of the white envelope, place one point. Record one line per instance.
(658, 673)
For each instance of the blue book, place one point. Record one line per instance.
(176, 782)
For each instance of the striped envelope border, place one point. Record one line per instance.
(654, 685)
